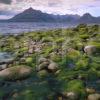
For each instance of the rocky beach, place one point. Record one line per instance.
(56, 64)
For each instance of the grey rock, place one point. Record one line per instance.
(90, 49)
(53, 66)
(95, 96)
(43, 65)
(16, 73)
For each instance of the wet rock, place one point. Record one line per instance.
(16, 73)
(90, 90)
(53, 67)
(15, 95)
(60, 98)
(3, 66)
(90, 49)
(26, 55)
(43, 65)
(57, 72)
(37, 50)
(16, 46)
(42, 73)
(6, 60)
(80, 77)
(41, 60)
(95, 96)
(72, 96)
(31, 50)
(22, 60)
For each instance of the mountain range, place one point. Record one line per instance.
(32, 15)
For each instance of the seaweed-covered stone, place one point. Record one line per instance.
(16, 73)
(76, 89)
(42, 73)
(94, 96)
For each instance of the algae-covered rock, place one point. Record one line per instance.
(16, 73)
(65, 63)
(29, 60)
(75, 90)
(42, 73)
(73, 54)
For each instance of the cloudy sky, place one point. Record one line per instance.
(9, 8)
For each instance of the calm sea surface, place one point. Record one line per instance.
(20, 27)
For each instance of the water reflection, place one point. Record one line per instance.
(4, 56)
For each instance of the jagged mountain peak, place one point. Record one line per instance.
(31, 10)
(87, 15)
(33, 15)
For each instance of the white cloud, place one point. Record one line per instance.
(5, 17)
(54, 6)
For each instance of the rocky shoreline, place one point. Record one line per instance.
(58, 64)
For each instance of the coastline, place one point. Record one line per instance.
(52, 60)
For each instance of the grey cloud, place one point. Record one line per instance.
(52, 4)
(92, 6)
(6, 12)
(6, 1)
(73, 9)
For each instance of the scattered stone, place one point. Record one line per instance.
(41, 60)
(15, 95)
(22, 60)
(90, 90)
(16, 46)
(81, 77)
(72, 96)
(95, 96)
(57, 72)
(16, 73)
(37, 50)
(4, 66)
(60, 98)
(43, 65)
(30, 51)
(26, 55)
(90, 49)
(42, 73)
(53, 67)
